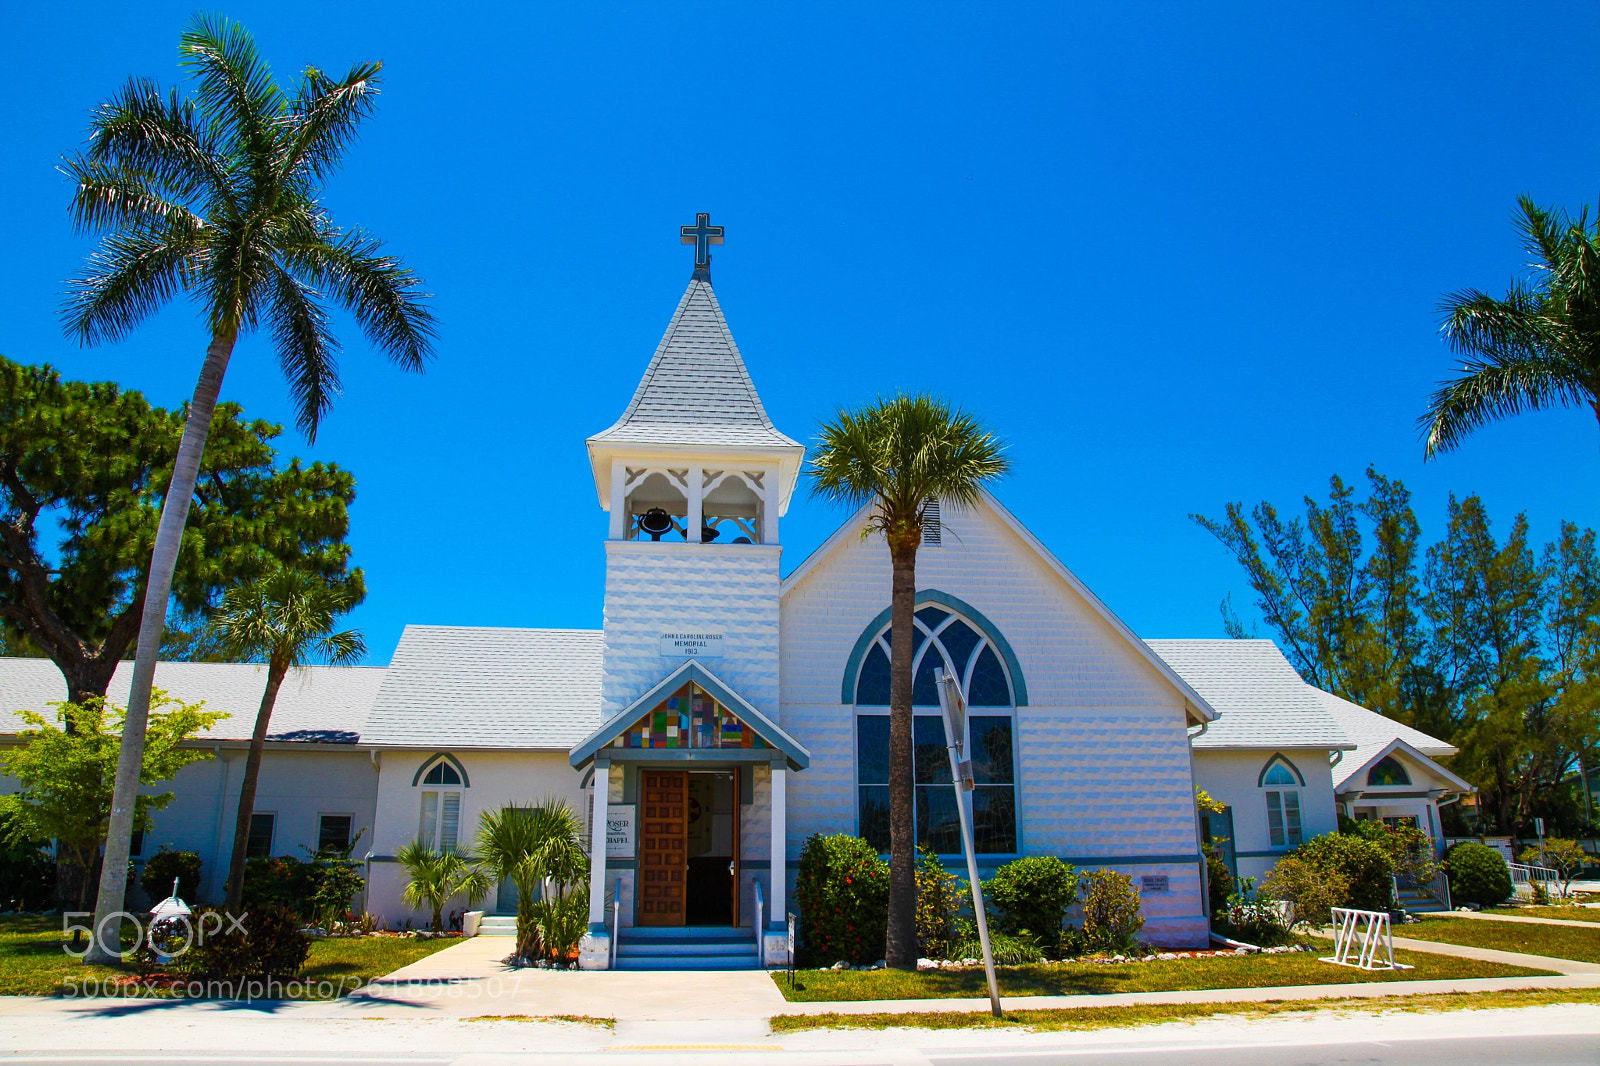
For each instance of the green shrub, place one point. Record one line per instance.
(27, 869)
(334, 882)
(1032, 895)
(842, 889)
(939, 897)
(1254, 919)
(270, 945)
(1313, 891)
(161, 868)
(1111, 913)
(1478, 874)
(1364, 864)
(1007, 950)
(318, 892)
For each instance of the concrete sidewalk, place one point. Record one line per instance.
(1570, 967)
(1475, 916)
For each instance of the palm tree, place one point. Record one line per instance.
(286, 619)
(216, 196)
(1538, 347)
(531, 846)
(901, 455)
(437, 877)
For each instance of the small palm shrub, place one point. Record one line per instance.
(1032, 895)
(1477, 874)
(434, 878)
(1008, 949)
(842, 890)
(939, 897)
(539, 849)
(270, 945)
(1364, 864)
(560, 923)
(1112, 915)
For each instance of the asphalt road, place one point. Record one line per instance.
(1550, 1050)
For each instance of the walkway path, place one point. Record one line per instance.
(1510, 958)
(1475, 916)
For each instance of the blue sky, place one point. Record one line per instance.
(1175, 254)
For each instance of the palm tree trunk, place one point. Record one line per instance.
(163, 560)
(900, 949)
(276, 669)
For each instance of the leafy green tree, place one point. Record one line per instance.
(532, 846)
(1484, 642)
(217, 196)
(83, 469)
(437, 877)
(67, 773)
(900, 455)
(287, 619)
(1537, 347)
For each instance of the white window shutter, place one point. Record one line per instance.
(430, 819)
(449, 821)
(932, 530)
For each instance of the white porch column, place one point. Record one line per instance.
(697, 489)
(774, 938)
(619, 501)
(594, 951)
(769, 506)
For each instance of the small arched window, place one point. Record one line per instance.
(1388, 771)
(941, 640)
(439, 815)
(1282, 782)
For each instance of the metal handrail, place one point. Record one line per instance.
(616, 926)
(760, 922)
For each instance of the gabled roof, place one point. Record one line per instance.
(1376, 736)
(696, 390)
(795, 752)
(479, 687)
(1353, 781)
(1261, 702)
(317, 704)
(1198, 708)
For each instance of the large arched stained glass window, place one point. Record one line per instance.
(942, 640)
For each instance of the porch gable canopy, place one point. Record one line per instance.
(736, 725)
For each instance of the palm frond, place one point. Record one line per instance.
(382, 293)
(236, 92)
(327, 115)
(161, 136)
(1490, 390)
(107, 197)
(1475, 323)
(130, 277)
(307, 350)
(287, 615)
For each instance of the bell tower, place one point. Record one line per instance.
(695, 478)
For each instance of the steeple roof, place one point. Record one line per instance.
(696, 390)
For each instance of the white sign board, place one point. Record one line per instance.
(619, 830)
(693, 645)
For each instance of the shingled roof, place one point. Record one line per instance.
(478, 687)
(696, 390)
(1261, 702)
(317, 704)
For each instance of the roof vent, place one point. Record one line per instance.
(931, 530)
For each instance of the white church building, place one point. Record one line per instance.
(727, 710)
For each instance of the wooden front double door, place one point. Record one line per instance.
(664, 865)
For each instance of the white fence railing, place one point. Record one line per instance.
(1362, 939)
(1524, 877)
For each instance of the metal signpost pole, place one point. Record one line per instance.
(954, 710)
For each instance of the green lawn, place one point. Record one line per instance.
(1569, 914)
(1556, 941)
(33, 964)
(1159, 1013)
(1223, 971)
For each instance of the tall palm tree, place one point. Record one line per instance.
(528, 846)
(287, 619)
(434, 878)
(216, 196)
(902, 454)
(1538, 347)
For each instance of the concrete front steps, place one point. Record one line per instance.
(686, 948)
(1418, 902)
(498, 925)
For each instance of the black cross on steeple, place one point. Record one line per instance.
(702, 235)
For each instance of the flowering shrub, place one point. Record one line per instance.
(842, 889)
(939, 897)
